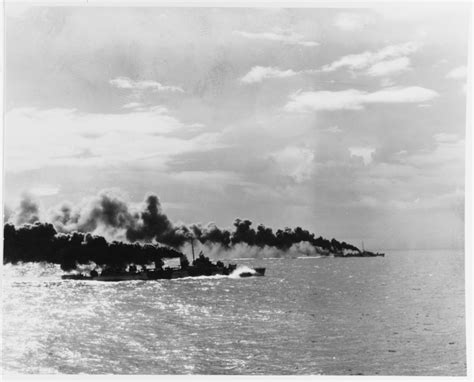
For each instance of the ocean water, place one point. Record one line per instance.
(399, 315)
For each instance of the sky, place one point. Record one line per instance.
(349, 122)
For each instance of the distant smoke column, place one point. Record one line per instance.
(153, 224)
(27, 212)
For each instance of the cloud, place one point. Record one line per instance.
(351, 21)
(333, 130)
(36, 138)
(386, 82)
(44, 190)
(433, 173)
(367, 59)
(207, 179)
(457, 73)
(378, 69)
(384, 68)
(325, 100)
(446, 159)
(286, 37)
(362, 152)
(259, 73)
(141, 107)
(127, 83)
(81, 154)
(448, 200)
(446, 138)
(353, 99)
(412, 94)
(296, 162)
(132, 105)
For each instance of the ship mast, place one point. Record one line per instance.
(192, 247)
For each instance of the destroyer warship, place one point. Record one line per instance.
(201, 266)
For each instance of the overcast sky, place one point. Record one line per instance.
(348, 122)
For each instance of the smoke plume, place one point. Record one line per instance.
(109, 215)
(40, 242)
(104, 228)
(151, 224)
(27, 211)
(107, 211)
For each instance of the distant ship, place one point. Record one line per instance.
(201, 266)
(362, 253)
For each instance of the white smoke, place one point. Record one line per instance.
(243, 250)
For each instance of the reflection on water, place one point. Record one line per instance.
(398, 315)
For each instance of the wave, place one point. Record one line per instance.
(310, 257)
(213, 277)
(41, 270)
(241, 269)
(47, 271)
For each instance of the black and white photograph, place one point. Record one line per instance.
(238, 190)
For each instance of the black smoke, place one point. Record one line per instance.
(211, 234)
(111, 216)
(105, 229)
(40, 242)
(151, 224)
(282, 239)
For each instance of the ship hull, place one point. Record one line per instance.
(165, 274)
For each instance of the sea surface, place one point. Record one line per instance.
(403, 314)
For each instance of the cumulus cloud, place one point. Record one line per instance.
(127, 83)
(411, 94)
(457, 73)
(259, 73)
(353, 99)
(368, 59)
(378, 69)
(286, 37)
(325, 100)
(362, 152)
(384, 68)
(351, 21)
(296, 162)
